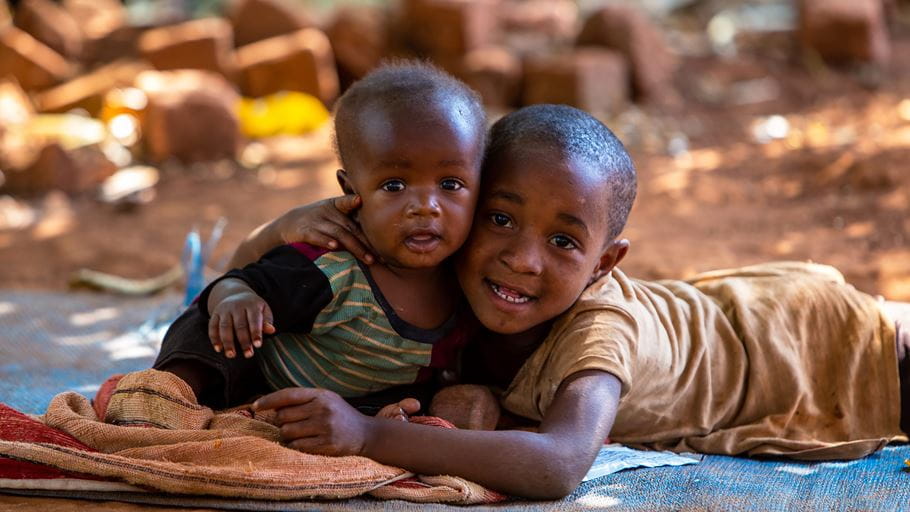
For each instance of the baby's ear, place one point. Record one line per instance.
(612, 255)
(344, 181)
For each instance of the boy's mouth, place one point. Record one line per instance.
(509, 295)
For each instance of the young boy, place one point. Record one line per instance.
(410, 139)
(777, 359)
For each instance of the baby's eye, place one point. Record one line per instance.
(393, 186)
(501, 220)
(451, 184)
(563, 242)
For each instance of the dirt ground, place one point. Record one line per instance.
(834, 190)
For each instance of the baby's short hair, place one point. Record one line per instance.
(575, 134)
(398, 84)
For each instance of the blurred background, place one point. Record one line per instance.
(762, 130)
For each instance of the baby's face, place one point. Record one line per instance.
(537, 239)
(418, 174)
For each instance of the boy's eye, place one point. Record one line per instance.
(393, 186)
(451, 184)
(563, 242)
(501, 219)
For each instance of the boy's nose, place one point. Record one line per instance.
(522, 257)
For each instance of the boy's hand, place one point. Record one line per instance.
(238, 322)
(400, 411)
(317, 421)
(328, 224)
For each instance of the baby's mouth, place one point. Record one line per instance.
(509, 294)
(422, 242)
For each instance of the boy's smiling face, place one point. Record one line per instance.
(539, 238)
(418, 173)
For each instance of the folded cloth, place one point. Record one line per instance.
(227, 454)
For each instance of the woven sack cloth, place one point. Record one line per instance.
(156, 436)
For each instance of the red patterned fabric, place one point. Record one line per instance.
(15, 426)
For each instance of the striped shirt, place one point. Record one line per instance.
(335, 330)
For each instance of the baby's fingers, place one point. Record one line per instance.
(225, 328)
(214, 335)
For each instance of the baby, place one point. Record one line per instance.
(411, 140)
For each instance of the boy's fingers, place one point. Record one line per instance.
(285, 398)
(312, 444)
(226, 335)
(318, 239)
(351, 243)
(346, 204)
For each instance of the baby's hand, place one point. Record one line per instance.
(400, 411)
(240, 319)
(328, 224)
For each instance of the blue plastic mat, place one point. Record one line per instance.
(53, 342)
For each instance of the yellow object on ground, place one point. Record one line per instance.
(283, 113)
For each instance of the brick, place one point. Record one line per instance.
(360, 39)
(87, 91)
(205, 44)
(628, 30)
(120, 43)
(96, 18)
(31, 62)
(845, 30)
(439, 28)
(301, 61)
(191, 116)
(495, 73)
(553, 19)
(592, 79)
(49, 163)
(52, 25)
(255, 20)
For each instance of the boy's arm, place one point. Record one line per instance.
(324, 224)
(548, 464)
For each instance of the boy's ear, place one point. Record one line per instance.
(344, 181)
(612, 255)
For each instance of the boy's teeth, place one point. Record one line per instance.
(509, 295)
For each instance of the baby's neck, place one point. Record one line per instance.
(424, 297)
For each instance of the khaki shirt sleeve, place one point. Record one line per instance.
(592, 340)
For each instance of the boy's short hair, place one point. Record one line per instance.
(575, 134)
(403, 83)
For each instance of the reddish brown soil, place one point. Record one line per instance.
(837, 192)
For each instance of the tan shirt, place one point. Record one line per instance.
(781, 358)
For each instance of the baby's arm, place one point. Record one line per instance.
(237, 315)
(547, 464)
(322, 224)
